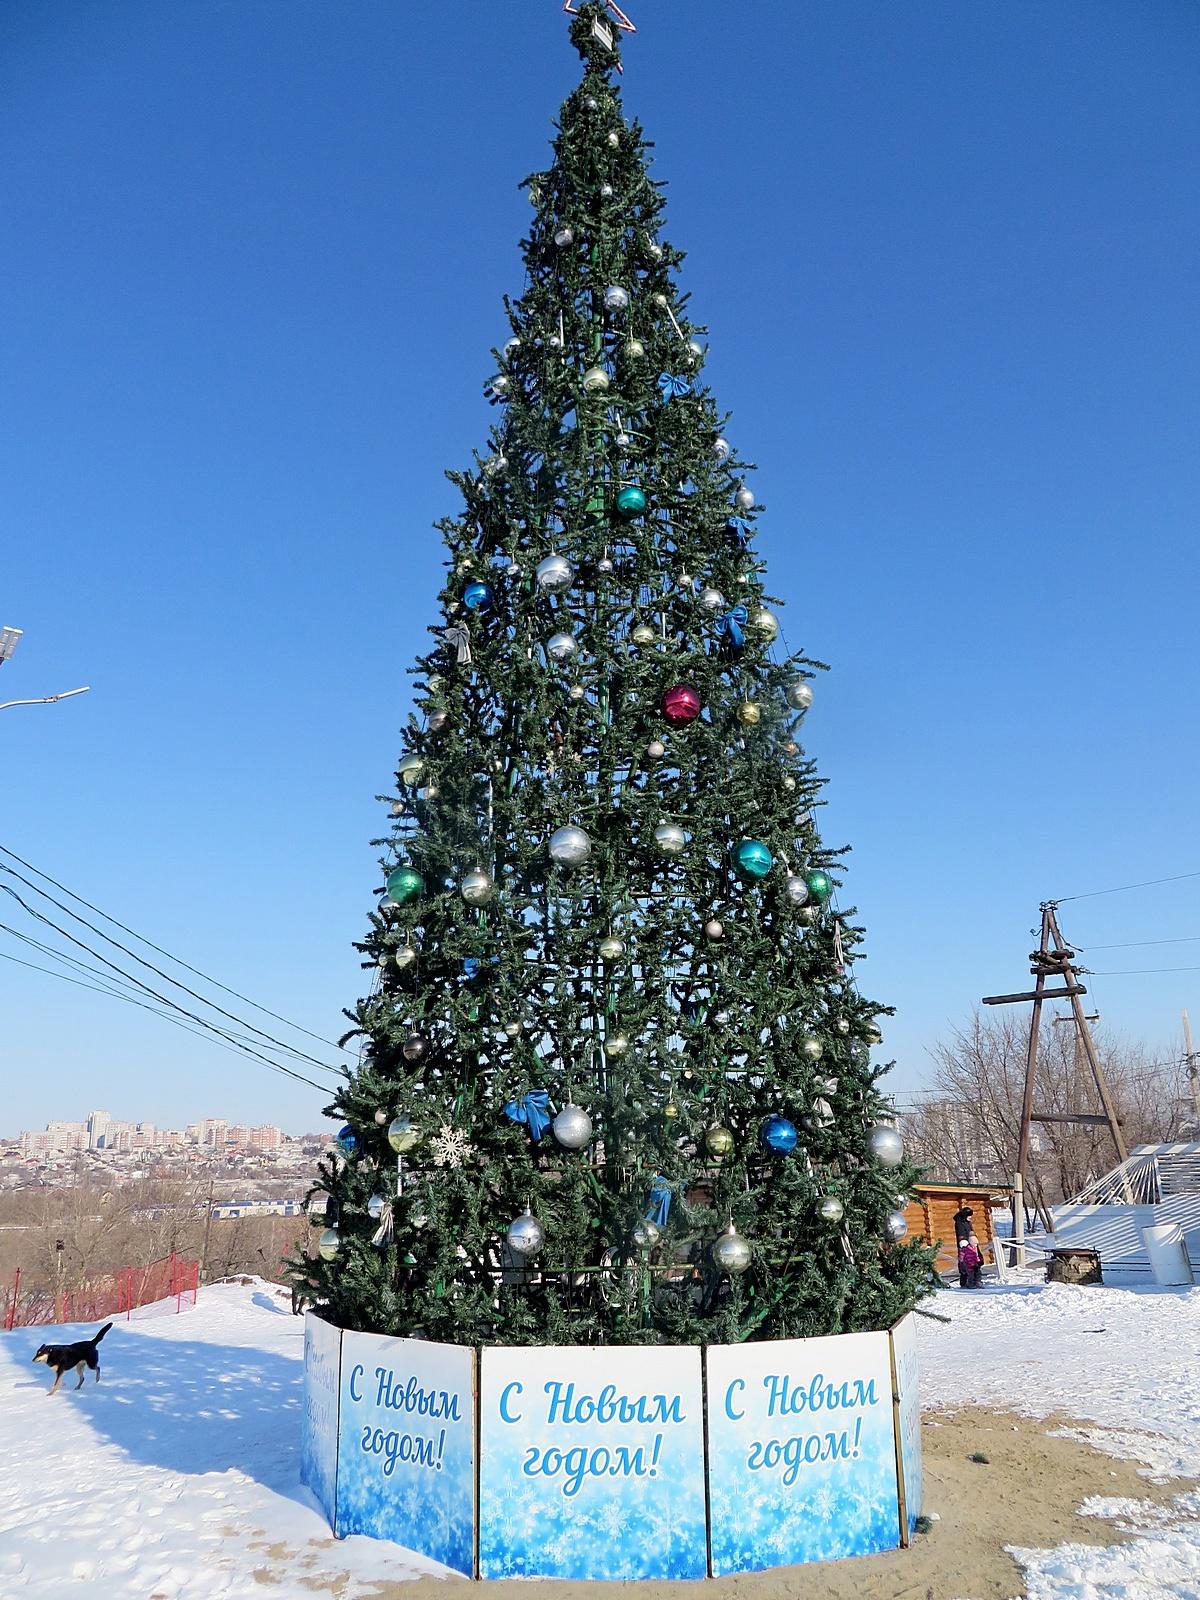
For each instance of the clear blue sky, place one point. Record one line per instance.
(252, 261)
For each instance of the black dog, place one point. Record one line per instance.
(81, 1356)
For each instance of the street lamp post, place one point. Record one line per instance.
(10, 638)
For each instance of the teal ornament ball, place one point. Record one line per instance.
(405, 885)
(631, 501)
(753, 858)
(819, 886)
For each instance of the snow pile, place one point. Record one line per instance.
(176, 1476)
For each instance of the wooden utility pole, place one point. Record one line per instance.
(1193, 1071)
(207, 1228)
(1054, 959)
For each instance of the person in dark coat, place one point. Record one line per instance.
(962, 1222)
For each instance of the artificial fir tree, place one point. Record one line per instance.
(615, 1084)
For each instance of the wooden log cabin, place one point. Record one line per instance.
(930, 1216)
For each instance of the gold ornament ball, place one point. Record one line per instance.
(718, 1142)
(612, 948)
(617, 1045)
(842, 1025)
(643, 634)
(635, 349)
(595, 379)
(670, 1109)
(765, 623)
(405, 956)
(749, 713)
(512, 1029)
(812, 1047)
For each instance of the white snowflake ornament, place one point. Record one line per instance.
(450, 1147)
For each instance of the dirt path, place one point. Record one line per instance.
(1026, 1494)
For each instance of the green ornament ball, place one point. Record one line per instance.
(819, 886)
(405, 885)
(631, 501)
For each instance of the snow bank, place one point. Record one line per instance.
(176, 1476)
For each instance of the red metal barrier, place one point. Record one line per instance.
(115, 1293)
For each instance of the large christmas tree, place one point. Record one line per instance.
(615, 1084)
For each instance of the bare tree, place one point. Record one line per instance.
(967, 1126)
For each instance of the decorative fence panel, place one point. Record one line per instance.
(111, 1295)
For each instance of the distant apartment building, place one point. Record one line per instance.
(58, 1139)
(209, 1132)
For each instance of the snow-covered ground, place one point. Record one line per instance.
(175, 1478)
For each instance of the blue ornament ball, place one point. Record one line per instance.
(778, 1134)
(631, 501)
(478, 597)
(347, 1140)
(753, 858)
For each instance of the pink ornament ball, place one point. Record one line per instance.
(681, 705)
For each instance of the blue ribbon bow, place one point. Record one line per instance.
(472, 966)
(732, 627)
(660, 1203)
(532, 1109)
(673, 386)
(740, 529)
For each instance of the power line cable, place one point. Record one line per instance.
(103, 984)
(301, 1055)
(1122, 887)
(1140, 944)
(117, 994)
(164, 999)
(150, 945)
(1137, 972)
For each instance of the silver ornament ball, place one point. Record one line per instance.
(570, 846)
(885, 1144)
(560, 645)
(645, 1234)
(572, 1127)
(564, 237)
(799, 695)
(745, 499)
(830, 1208)
(554, 573)
(375, 1207)
(575, 692)
(655, 750)
(478, 887)
(606, 191)
(670, 838)
(721, 451)
(711, 600)
(526, 1236)
(895, 1227)
(795, 889)
(730, 1252)
(714, 930)
(611, 948)
(616, 298)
